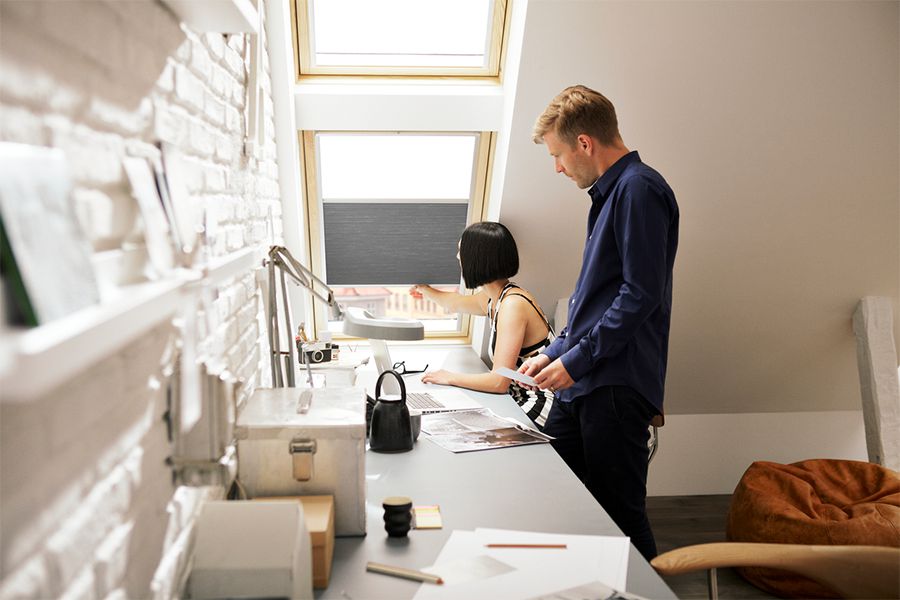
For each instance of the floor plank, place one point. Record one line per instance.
(684, 520)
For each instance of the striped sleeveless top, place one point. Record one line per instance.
(535, 404)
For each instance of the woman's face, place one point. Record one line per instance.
(458, 259)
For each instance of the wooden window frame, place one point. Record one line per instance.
(312, 209)
(303, 37)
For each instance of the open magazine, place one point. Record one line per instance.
(478, 429)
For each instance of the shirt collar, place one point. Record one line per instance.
(605, 182)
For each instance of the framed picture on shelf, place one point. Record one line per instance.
(52, 257)
(186, 218)
(162, 188)
(157, 230)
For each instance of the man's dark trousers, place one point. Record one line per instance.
(603, 438)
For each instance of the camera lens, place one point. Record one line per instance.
(317, 356)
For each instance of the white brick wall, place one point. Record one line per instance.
(87, 504)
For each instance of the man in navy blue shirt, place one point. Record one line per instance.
(608, 366)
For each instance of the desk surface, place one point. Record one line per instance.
(503, 489)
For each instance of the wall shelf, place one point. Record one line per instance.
(221, 16)
(221, 268)
(34, 361)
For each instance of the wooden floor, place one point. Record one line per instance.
(684, 520)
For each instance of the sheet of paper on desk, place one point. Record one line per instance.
(469, 568)
(585, 559)
(594, 590)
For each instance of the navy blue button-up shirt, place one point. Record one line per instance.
(620, 311)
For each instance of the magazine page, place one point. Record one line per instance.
(478, 429)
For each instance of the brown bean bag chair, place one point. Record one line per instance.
(813, 502)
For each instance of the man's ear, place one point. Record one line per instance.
(584, 143)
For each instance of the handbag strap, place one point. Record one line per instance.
(397, 377)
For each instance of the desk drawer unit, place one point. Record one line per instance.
(321, 452)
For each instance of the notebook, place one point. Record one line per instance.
(439, 401)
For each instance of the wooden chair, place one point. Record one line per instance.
(851, 571)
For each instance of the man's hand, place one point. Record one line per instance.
(548, 375)
(534, 364)
(531, 366)
(554, 377)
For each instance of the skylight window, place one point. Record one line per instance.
(406, 37)
(396, 167)
(386, 211)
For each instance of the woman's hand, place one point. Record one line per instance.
(440, 377)
(416, 291)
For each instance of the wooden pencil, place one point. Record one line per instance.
(404, 573)
(525, 545)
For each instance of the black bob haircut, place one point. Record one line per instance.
(487, 252)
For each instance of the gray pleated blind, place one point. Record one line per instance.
(392, 243)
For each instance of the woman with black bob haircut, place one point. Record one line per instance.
(487, 252)
(488, 258)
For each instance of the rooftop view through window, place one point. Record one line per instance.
(392, 301)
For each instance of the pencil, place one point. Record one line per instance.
(525, 545)
(404, 573)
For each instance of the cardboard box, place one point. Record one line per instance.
(318, 513)
(322, 452)
(251, 550)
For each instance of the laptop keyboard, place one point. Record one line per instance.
(422, 401)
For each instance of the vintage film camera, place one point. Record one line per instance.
(316, 352)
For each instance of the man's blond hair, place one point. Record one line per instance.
(576, 110)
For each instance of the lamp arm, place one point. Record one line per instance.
(282, 258)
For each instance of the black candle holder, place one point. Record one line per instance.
(397, 515)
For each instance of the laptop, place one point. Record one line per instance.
(440, 401)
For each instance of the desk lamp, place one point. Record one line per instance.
(361, 323)
(280, 257)
(356, 321)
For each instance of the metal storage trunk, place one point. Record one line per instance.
(284, 453)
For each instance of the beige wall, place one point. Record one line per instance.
(776, 123)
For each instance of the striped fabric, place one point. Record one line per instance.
(535, 404)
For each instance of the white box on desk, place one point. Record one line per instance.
(251, 550)
(274, 441)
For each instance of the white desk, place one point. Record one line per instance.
(502, 488)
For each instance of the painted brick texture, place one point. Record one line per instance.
(88, 508)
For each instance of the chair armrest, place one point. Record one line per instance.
(852, 571)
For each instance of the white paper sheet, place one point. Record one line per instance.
(515, 375)
(594, 590)
(470, 568)
(538, 570)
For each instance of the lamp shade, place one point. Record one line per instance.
(360, 323)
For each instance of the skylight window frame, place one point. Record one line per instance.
(304, 51)
(313, 208)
